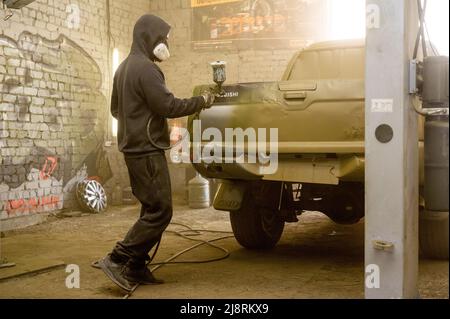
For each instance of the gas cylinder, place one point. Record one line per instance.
(436, 164)
(198, 189)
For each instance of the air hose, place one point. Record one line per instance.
(190, 234)
(169, 147)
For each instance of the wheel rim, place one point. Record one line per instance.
(92, 196)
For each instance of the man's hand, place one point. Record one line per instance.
(209, 99)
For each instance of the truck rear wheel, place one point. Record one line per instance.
(256, 227)
(433, 234)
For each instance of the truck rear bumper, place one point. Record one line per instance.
(296, 170)
(301, 168)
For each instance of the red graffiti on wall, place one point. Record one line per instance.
(49, 167)
(36, 204)
(31, 205)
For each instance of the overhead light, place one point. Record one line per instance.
(115, 66)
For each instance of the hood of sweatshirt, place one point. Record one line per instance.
(149, 31)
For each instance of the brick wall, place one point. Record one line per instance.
(54, 92)
(55, 82)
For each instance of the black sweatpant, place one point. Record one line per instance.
(150, 181)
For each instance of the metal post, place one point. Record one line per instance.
(392, 168)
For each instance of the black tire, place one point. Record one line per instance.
(256, 227)
(433, 234)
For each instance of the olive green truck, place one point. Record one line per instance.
(318, 108)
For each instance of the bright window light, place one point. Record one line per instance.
(115, 66)
(347, 19)
(437, 22)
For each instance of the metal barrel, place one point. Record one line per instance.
(436, 163)
(435, 82)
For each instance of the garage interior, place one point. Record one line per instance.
(58, 139)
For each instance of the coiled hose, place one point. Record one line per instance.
(188, 233)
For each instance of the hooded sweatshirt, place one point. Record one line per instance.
(140, 93)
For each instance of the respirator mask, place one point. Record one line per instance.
(161, 51)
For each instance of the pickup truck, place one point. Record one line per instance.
(318, 108)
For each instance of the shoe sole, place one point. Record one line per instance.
(96, 264)
(133, 282)
(105, 269)
(148, 283)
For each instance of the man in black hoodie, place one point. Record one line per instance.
(140, 95)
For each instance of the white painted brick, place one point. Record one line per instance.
(45, 183)
(37, 118)
(13, 62)
(10, 116)
(18, 160)
(9, 98)
(36, 74)
(36, 110)
(30, 91)
(12, 142)
(4, 134)
(31, 126)
(6, 107)
(34, 134)
(16, 90)
(43, 128)
(44, 93)
(40, 192)
(11, 52)
(38, 101)
(32, 185)
(23, 151)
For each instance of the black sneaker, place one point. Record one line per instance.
(115, 272)
(141, 275)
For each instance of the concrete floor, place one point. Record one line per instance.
(314, 259)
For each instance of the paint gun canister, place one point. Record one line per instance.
(219, 75)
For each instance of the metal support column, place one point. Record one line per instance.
(392, 169)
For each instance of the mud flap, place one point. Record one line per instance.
(230, 195)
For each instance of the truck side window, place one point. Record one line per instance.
(345, 63)
(305, 67)
(315, 65)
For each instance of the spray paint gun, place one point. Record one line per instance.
(219, 76)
